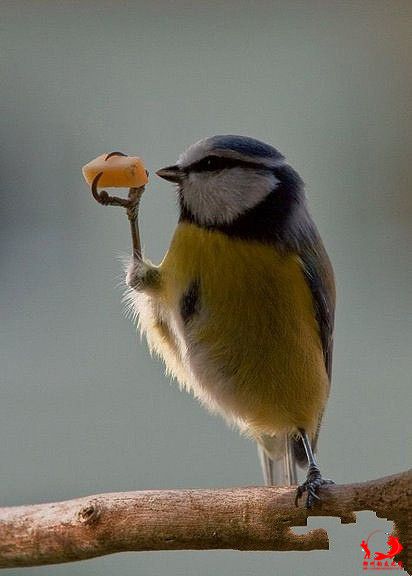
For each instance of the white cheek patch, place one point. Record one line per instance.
(219, 198)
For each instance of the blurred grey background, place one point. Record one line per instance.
(83, 408)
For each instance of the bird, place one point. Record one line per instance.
(241, 308)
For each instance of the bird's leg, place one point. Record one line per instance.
(131, 203)
(132, 211)
(140, 274)
(314, 478)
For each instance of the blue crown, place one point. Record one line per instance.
(245, 145)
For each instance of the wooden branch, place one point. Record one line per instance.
(238, 518)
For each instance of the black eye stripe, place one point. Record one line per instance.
(214, 163)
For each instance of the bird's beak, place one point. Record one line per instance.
(171, 173)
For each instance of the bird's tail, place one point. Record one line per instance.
(278, 459)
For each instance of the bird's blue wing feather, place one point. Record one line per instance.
(319, 276)
(318, 273)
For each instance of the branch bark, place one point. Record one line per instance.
(238, 518)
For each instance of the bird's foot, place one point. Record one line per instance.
(311, 486)
(131, 203)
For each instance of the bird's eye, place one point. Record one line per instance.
(210, 163)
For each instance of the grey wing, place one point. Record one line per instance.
(319, 276)
(318, 272)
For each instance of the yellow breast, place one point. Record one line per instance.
(254, 348)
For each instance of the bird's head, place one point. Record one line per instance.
(224, 179)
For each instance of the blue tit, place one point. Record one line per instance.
(241, 309)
